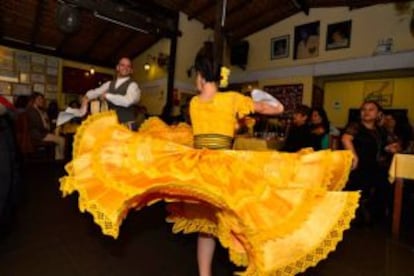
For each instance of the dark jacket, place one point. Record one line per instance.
(298, 137)
(9, 170)
(37, 129)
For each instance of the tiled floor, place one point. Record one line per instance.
(51, 237)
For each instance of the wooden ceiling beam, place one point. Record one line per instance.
(121, 44)
(37, 19)
(158, 24)
(218, 33)
(253, 17)
(247, 28)
(104, 31)
(202, 9)
(239, 5)
(302, 5)
(62, 43)
(147, 44)
(182, 5)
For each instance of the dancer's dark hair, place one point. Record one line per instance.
(205, 65)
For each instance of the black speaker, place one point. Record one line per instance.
(239, 53)
(68, 18)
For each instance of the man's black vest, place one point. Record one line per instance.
(125, 114)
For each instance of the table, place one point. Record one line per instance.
(257, 144)
(402, 167)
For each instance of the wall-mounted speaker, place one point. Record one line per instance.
(68, 18)
(239, 54)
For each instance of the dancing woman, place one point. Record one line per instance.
(275, 212)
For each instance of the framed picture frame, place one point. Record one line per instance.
(338, 35)
(5, 88)
(279, 47)
(306, 40)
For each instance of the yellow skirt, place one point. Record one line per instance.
(277, 213)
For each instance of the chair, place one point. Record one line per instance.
(41, 152)
(335, 142)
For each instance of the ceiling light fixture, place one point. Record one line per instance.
(103, 17)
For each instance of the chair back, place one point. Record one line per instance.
(335, 142)
(22, 134)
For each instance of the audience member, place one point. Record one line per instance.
(321, 129)
(299, 134)
(9, 167)
(39, 125)
(368, 142)
(398, 130)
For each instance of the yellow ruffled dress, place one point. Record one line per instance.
(277, 213)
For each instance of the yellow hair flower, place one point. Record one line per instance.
(224, 76)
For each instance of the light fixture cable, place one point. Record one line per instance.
(103, 17)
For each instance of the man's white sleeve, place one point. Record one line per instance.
(95, 93)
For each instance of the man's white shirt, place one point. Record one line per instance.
(132, 95)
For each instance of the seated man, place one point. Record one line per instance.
(299, 135)
(39, 125)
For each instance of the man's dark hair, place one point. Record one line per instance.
(303, 109)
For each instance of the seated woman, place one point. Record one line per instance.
(321, 129)
(398, 130)
(275, 212)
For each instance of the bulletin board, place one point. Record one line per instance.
(290, 95)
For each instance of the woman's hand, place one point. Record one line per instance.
(265, 103)
(348, 144)
(103, 96)
(85, 101)
(318, 131)
(393, 147)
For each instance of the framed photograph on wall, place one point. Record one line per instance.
(279, 47)
(306, 40)
(5, 88)
(338, 35)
